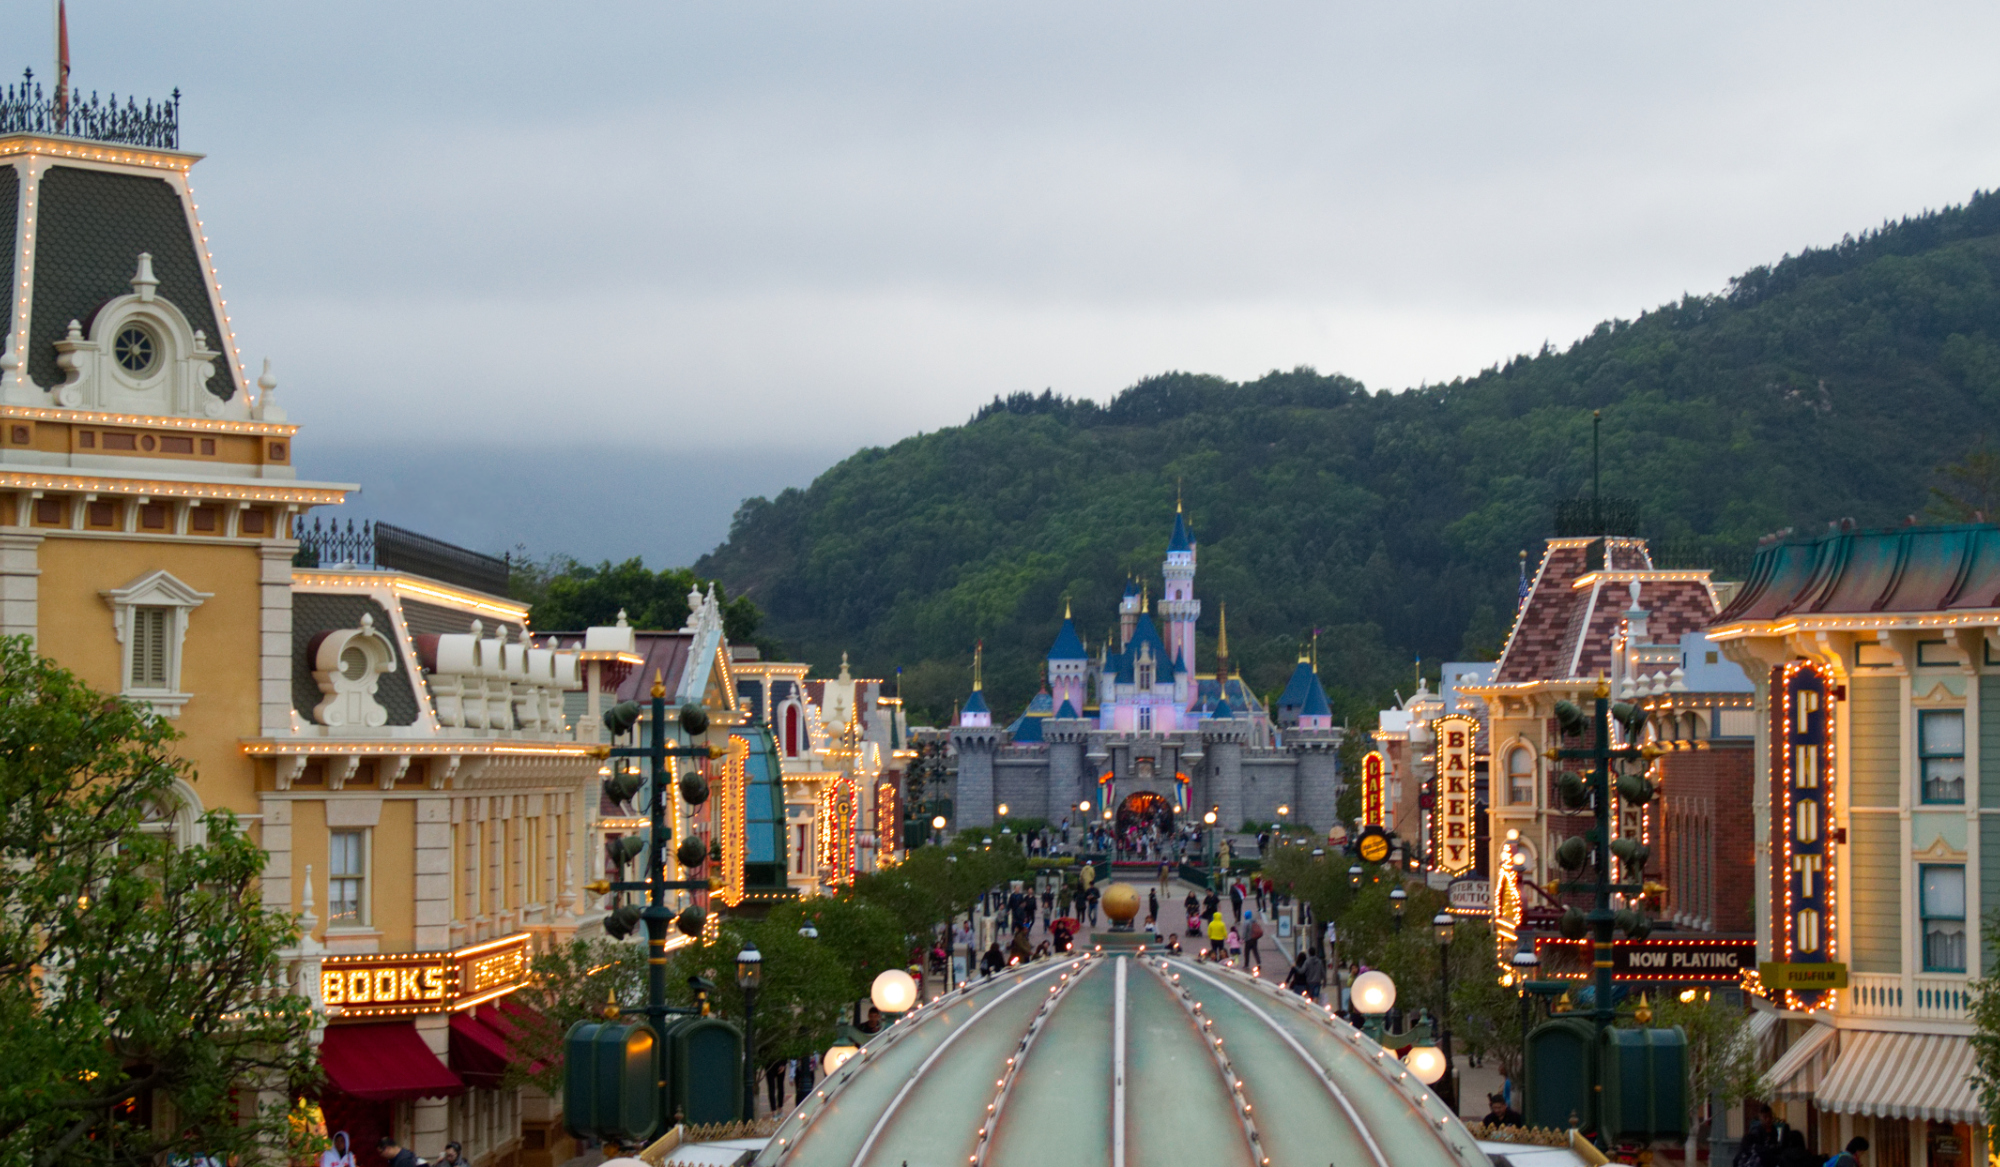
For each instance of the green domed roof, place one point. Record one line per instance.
(1125, 1060)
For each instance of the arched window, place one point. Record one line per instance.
(1520, 775)
(794, 731)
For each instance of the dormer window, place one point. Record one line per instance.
(150, 618)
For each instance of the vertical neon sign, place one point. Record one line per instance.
(1803, 760)
(1371, 790)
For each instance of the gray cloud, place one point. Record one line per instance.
(803, 228)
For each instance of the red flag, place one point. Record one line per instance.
(62, 62)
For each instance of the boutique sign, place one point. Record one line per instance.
(400, 984)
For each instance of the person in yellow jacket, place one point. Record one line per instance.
(1218, 936)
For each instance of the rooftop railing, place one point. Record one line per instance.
(25, 109)
(385, 547)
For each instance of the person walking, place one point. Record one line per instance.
(394, 1153)
(1235, 945)
(774, 1084)
(1193, 905)
(1218, 938)
(1165, 867)
(1152, 907)
(1090, 899)
(1315, 975)
(802, 1076)
(1851, 1157)
(1295, 977)
(338, 1152)
(1236, 899)
(1251, 935)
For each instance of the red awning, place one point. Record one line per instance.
(478, 1054)
(515, 1023)
(385, 1062)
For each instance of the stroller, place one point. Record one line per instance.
(1194, 924)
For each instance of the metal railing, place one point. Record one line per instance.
(387, 547)
(25, 109)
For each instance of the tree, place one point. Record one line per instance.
(566, 594)
(1986, 1033)
(1721, 1054)
(804, 992)
(570, 983)
(137, 965)
(1971, 489)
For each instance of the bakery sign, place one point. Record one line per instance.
(1453, 810)
(400, 984)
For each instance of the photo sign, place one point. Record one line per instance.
(1802, 782)
(1453, 837)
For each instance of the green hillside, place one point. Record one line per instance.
(1830, 384)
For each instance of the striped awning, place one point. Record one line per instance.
(1797, 1074)
(1902, 1075)
(1764, 1028)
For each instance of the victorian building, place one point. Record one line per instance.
(1877, 853)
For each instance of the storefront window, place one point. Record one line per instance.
(1941, 743)
(1943, 910)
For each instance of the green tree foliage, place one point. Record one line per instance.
(934, 884)
(566, 596)
(569, 983)
(131, 966)
(1985, 1012)
(1824, 386)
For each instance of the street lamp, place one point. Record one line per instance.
(809, 932)
(1002, 808)
(749, 974)
(1445, 929)
(937, 828)
(836, 1056)
(1373, 993)
(1084, 806)
(1354, 874)
(1397, 899)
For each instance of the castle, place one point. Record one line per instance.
(1137, 734)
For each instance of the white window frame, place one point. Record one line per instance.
(364, 914)
(1507, 776)
(158, 589)
(1926, 913)
(1925, 756)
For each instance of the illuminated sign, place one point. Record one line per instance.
(1823, 974)
(1452, 817)
(1372, 799)
(1373, 846)
(402, 983)
(1802, 782)
(1704, 961)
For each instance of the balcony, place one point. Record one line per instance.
(1914, 998)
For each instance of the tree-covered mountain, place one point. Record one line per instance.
(1830, 384)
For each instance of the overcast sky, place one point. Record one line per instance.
(776, 232)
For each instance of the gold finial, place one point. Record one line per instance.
(978, 651)
(659, 684)
(1603, 686)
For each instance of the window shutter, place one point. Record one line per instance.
(149, 648)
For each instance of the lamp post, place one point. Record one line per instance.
(937, 829)
(1354, 874)
(1208, 843)
(1444, 928)
(749, 974)
(1526, 963)
(893, 992)
(1397, 900)
(1374, 994)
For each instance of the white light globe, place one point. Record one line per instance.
(835, 1057)
(1374, 992)
(1426, 1063)
(894, 991)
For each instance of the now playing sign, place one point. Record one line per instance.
(1694, 960)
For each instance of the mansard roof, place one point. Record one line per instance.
(1580, 593)
(1861, 573)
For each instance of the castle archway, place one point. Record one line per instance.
(1145, 808)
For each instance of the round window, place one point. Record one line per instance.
(135, 350)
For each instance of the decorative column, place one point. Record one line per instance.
(20, 574)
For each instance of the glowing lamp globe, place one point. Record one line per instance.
(1120, 903)
(894, 991)
(836, 1056)
(1374, 992)
(1426, 1063)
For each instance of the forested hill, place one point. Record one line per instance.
(1830, 384)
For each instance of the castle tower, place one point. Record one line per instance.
(1179, 610)
(1068, 664)
(976, 714)
(1128, 614)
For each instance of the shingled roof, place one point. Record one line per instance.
(1564, 629)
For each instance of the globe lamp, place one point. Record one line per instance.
(1426, 1063)
(894, 991)
(836, 1056)
(1374, 993)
